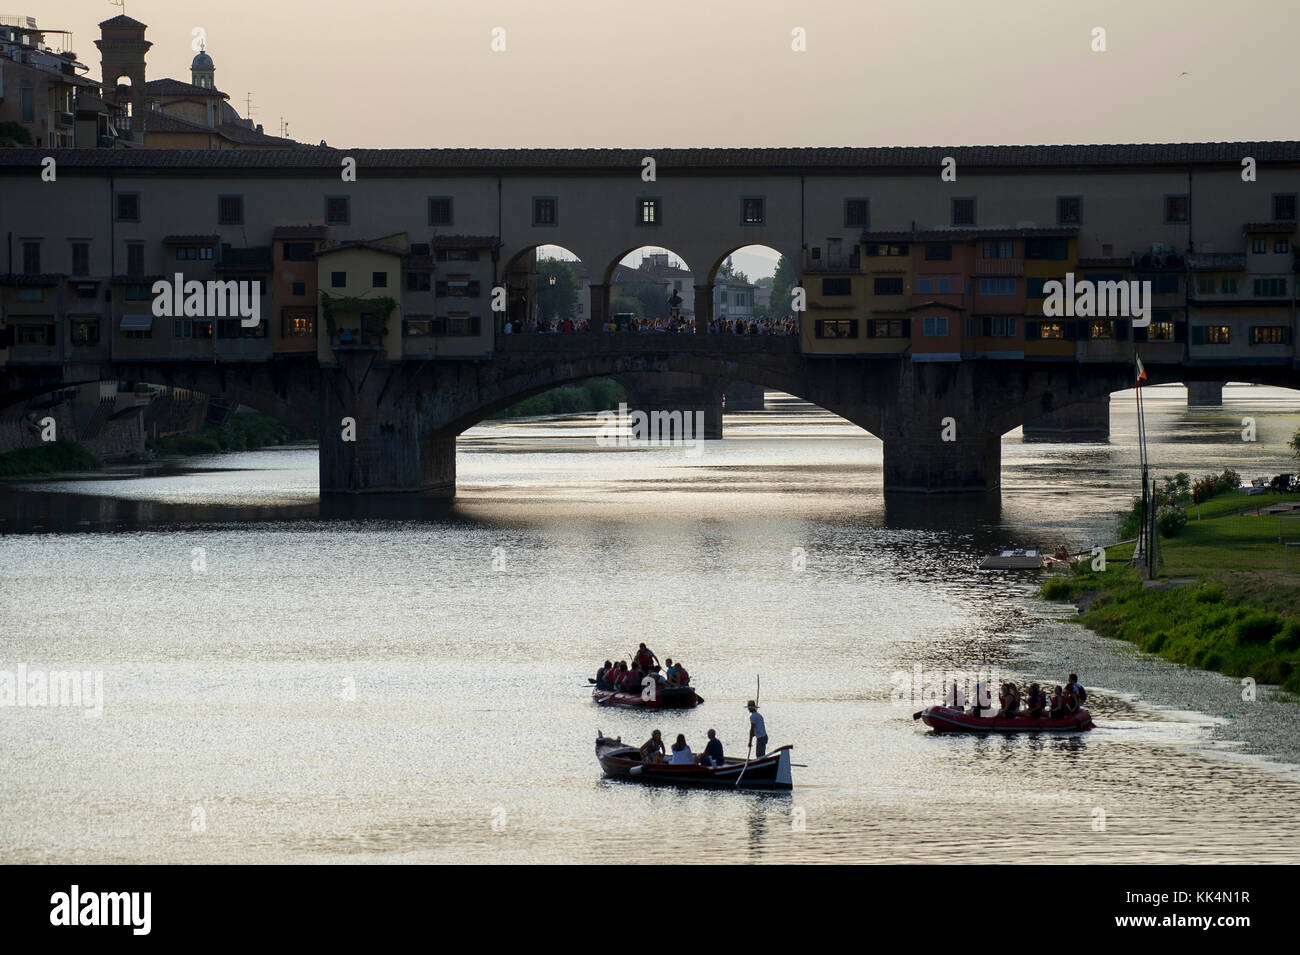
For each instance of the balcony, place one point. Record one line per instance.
(355, 339)
(995, 267)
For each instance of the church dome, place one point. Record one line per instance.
(202, 62)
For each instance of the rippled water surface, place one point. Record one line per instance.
(286, 685)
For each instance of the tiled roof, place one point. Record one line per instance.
(620, 161)
(464, 241)
(1285, 227)
(373, 246)
(159, 122)
(1204, 261)
(166, 86)
(935, 303)
(299, 232)
(30, 278)
(122, 20)
(970, 234)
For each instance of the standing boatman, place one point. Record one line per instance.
(757, 730)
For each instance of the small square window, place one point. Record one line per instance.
(338, 210)
(419, 281)
(857, 213)
(1284, 206)
(649, 212)
(1282, 245)
(299, 288)
(338, 280)
(440, 210)
(1069, 210)
(545, 211)
(379, 280)
(32, 258)
(963, 211)
(128, 207)
(230, 210)
(1175, 208)
(753, 211)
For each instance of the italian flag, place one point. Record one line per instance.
(1142, 372)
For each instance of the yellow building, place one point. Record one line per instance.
(1048, 257)
(361, 296)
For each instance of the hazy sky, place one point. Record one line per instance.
(723, 73)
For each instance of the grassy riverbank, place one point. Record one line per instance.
(1223, 601)
(245, 431)
(49, 458)
(597, 394)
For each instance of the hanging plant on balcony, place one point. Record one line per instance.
(379, 308)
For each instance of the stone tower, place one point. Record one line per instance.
(122, 47)
(203, 71)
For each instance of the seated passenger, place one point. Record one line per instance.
(683, 678)
(652, 750)
(681, 752)
(1035, 702)
(1010, 702)
(1056, 708)
(602, 673)
(1071, 701)
(712, 751)
(671, 676)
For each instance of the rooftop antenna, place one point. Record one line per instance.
(284, 128)
(248, 106)
(119, 3)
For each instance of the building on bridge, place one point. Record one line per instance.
(926, 287)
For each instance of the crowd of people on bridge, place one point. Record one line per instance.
(681, 326)
(765, 326)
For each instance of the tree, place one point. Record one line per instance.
(623, 304)
(653, 299)
(559, 299)
(783, 283)
(14, 134)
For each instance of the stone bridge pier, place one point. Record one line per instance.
(699, 396)
(938, 431)
(373, 433)
(1082, 422)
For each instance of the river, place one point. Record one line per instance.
(282, 686)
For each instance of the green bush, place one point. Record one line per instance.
(47, 458)
(1210, 594)
(1257, 627)
(1057, 589)
(1288, 641)
(1152, 643)
(1170, 519)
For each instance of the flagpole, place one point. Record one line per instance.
(1148, 501)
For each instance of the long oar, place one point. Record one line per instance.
(757, 690)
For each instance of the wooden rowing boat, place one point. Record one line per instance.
(621, 761)
(665, 698)
(946, 719)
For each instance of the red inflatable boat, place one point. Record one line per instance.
(945, 719)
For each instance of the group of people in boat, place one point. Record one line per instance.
(630, 677)
(652, 751)
(1036, 703)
